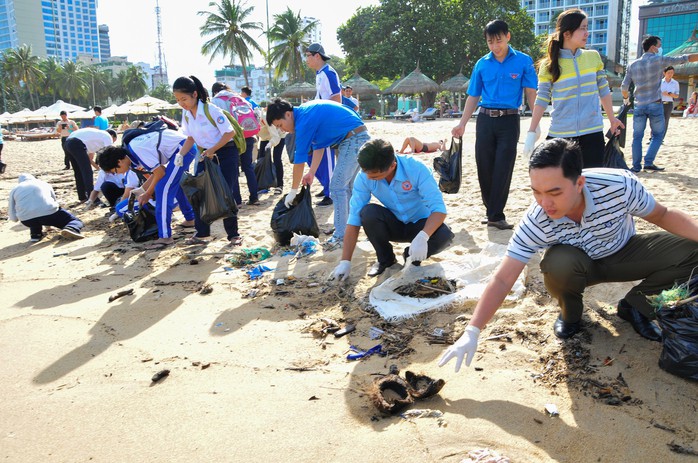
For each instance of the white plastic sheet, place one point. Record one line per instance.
(472, 272)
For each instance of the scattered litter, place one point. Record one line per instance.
(390, 394)
(429, 287)
(378, 349)
(349, 328)
(206, 289)
(280, 281)
(438, 332)
(676, 448)
(58, 254)
(424, 413)
(422, 386)
(126, 292)
(248, 256)
(551, 409)
(313, 285)
(485, 456)
(314, 398)
(375, 333)
(159, 375)
(256, 272)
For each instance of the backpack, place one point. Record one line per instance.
(158, 126)
(238, 138)
(242, 110)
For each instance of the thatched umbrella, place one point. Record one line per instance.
(688, 70)
(389, 90)
(457, 84)
(299, 90)
(361, 85)
(415, 82)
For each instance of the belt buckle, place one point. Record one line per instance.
(496, 113)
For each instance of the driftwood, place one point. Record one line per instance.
(126, 292)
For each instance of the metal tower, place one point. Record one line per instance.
(625, 28)
(160, 76)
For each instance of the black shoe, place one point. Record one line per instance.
(36, 238)
(500, 224)
(378, 268)
(641, 324)
(634, 170)
(565, 330)
(3, 166)
(654, 168)
(66, 168)
(253, 202)
(320, 195)
(326, 201)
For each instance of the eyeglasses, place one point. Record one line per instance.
(308, 55)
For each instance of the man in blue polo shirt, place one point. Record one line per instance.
(497, 84)
(317, 125)
(101, 122)
(412, 209)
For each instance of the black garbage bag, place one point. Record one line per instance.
(209, 193)
(299, 218)
(141, 224)
(264, 171)
(623, 117)
(612, 155)
(449, 167)
(680, 337)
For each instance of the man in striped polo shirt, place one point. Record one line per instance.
(584, 221)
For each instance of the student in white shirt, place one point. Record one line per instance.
(115, 187)
(81, 147)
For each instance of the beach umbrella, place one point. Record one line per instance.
(389, 90)
(61, 105)
(361, 85)
(457, 84)
(415, 82)
(150, 102)
(41, 114)
(82, 114)
(109, 111)
(299, 90)
(20, 116)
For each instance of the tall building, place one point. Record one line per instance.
(232, 76)
(104, 44)
(674, 22)
(315, 34)
(606, 21)
(63, 29)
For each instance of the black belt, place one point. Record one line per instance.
(667, 102)
(498, 112)
(359, 129)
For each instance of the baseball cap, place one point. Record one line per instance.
(317, 48)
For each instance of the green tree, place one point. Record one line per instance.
(22, 68)
(290, 39)
(131, 83)
(229, 28)
(98, 82)
(49, 85)
(72, 82)
(164, 92)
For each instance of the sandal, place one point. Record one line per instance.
(194, 241)
(157, 246)
(236, 241)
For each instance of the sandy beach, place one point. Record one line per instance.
(250, 382)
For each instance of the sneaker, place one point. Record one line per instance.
(332, 243)
(71, 233)
(253, 202)
(320, 195)
(634, 170)
(277, 191)
(36, 238)
(3, 166)
(653, 168)
(326, 201)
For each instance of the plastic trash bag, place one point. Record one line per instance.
(449, 166)
(680, 337)
(623, 117)
(299, 218)
(141, 224)
(612, 155)
(264, 171)
(208, 192)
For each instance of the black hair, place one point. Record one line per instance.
(496, 28)
(650, 41)
(112, 132)
(277, 110)
(63, 113)
(668, 68)
(97, 108)
(190, 85)
(246, 90)
(376, 155)
(218, 86)
(109, 157)
(567, 21)
(558, 152)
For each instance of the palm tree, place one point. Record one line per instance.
(229, 29)
(98, 81)
(49, 86)
(290, 38)
(72, 82)
(132, 82)
(22, 66)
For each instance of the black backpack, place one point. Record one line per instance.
(158, 126)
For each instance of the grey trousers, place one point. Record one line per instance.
(658, 259)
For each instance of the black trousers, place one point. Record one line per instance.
(228, 158)
(495, 154)
(592, 146)
(381, 227)
(59, 219)
(668, 108)
(66, 158)
(112, 192)
(84, 180)
(278, 163)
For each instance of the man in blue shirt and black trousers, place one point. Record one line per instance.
(497, 84)
(412, 209)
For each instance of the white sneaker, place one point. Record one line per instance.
(113, 217)
(71, 234)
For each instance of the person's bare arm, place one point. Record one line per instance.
(677, 222)
(470, 106)
(351, 236)
(496, 291)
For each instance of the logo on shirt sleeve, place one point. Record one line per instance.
(220, 119)
(406, 185)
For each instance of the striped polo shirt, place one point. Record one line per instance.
(575, 95)
(612, 197)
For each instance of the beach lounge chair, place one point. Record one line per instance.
(429, 114)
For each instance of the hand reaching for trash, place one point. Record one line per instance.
(466, 344)
(341, 271)
(290, 197)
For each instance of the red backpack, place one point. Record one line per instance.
(242, 111)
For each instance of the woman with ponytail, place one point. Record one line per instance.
(574, 81)
(213, 134)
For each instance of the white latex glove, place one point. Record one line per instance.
(466, 344)
(626, 101)
(137, 191)
(341, 271)
(290, 197)
(179, 160)
(531, 138)
(419, 247)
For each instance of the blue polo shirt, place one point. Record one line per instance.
(251, 102)
(320, 124)
(101, 123)
(412, 194)
(348, 103)
(501, 84)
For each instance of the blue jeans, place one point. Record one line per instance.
(655, 113)
(343, 179)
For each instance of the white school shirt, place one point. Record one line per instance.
(204, 133)
(672, 87)
(145, 146)
(94, 139)
(127, 180)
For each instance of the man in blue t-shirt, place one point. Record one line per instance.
(101, 122)
(412, 209)
(497, 84)
(318, 125)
